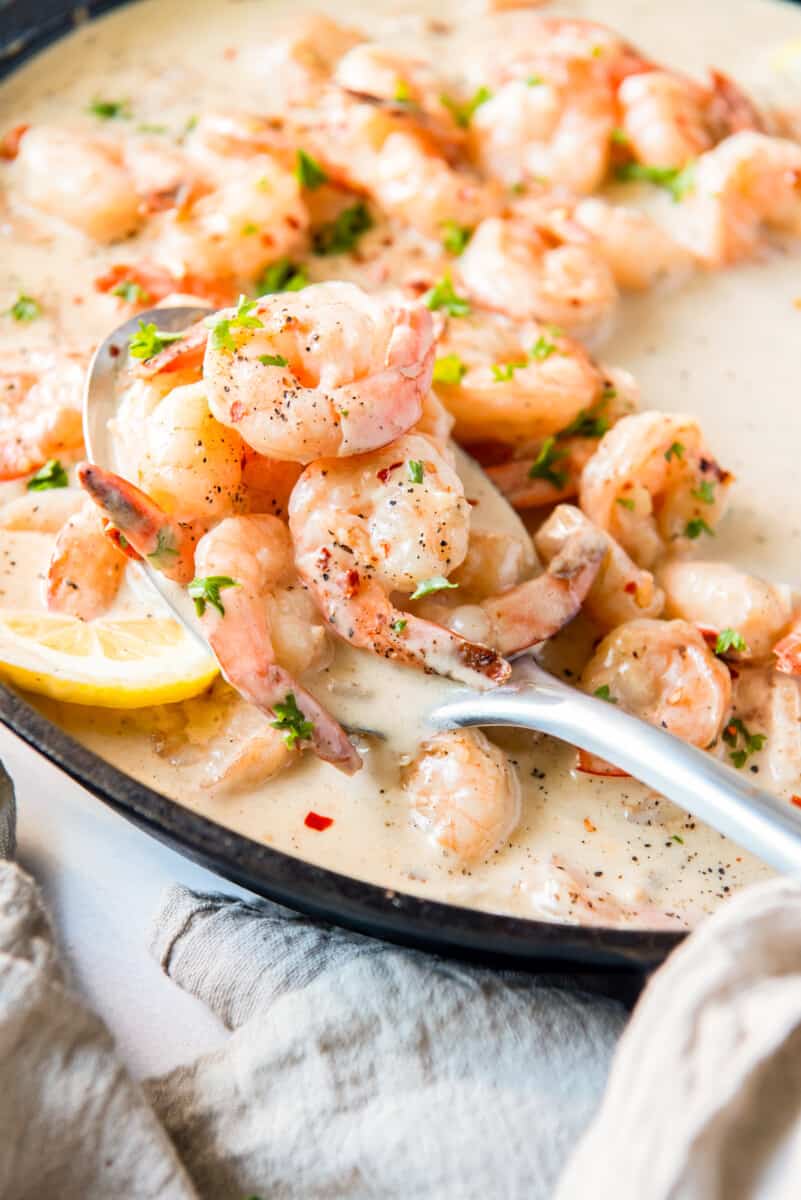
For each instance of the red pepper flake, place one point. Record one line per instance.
(630, 587)
(796, 800)
(315, 821)
(9, 143)
(588, 825)
(237, 411)
(230, 53)
(385, 472)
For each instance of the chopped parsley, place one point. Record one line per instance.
(110, 110)
(455, 236)
(309, 173)
(166, 549)
(676, 837)
(399, 625)
(51, 475)
(730, 639)
(282, 276)
(742, 743)
(677, 181)
(249, 228)
(146, 127)
(221, 331)
(705, 492)
(291, 721)
(148, 341)
(443, 296)
(449, 369)
(206, 590)
(543, 348)
(403, 93)
(503, 372)
(426, 587)
(273, 360)
(543, 465)
(694, 528)
(131, 292)
(415, 468)
(626, 502)
(462, 113)
(590, 423)
(674, 451)
(603, 693)
(619, 137)
(25, 309)
(342, 234)
(535, 80)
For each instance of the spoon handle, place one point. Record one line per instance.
(691, 778)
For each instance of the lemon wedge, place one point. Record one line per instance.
(112, 662)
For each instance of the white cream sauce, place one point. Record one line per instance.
(725, 347)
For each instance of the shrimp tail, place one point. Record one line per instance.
(536, 610)
(435, 648)
(166, 544)
(186, 354)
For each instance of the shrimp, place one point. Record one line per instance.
(717, 596)
(295, 66)
(639, 252)
(41, 512)
(41, 398)
(511, 267)
(326, 371)
(746, 186)
(244, 569)
(85, 569)
(664, 672)
(653, 485)
(253, 217)
(764, 728)
(621, 591)
(395, 520)
(463, 793)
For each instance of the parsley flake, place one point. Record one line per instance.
(426, 587)
(110, 110)
(590, 423)
(543, 465)
(443, 296)
(619, 137)
(399, 625)
(694, 528)
(131, 292)
(309, 173)
(705, 492)
(273, 360)
(730, 639)
(415, 468)
(455, 236)
(221, 331)
(291, 721)
(148, 341)
(603, 693)
(342, 234)
(282, 276)
(677, 181)
(543, 348)
(449, 369)
(51, 475)
(626, 502)
(675, 837)
(206, 590)
(674, 451)
(742, 742)
(503, 372)
(166, 549)
(462, 113)
(402, 93)
(535, 80)
(25, 309)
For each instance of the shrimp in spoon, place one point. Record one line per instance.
(236, 569)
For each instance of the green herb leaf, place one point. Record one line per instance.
(736, 732)
(25, 309)
(589, 423)
(674, 451)
(603, 693)
(705, 492)
(282, 276)
(619, 137)
(291, 721)
(675, 180)
(148, 341)
(399, 625)
(309, 172)
(675, 837)
(146, 127)
(342, 234)
(273, 360)
(438, 583)
(626, 502)
(403, 93)
(166, 549)
(249, 228)
(206, 590)
(449, 369)
(542, 349)
(503, 372)
(415, 468)
(110, 110)
(535, 80)
(462, 113)
(442, 295)
(221, 331)
(51, 475)
(543, 465)
(694, 528)
(730, 639)
(455, 236)
(131, 292)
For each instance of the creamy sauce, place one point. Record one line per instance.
(725, 347)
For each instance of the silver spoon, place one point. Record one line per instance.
(702, 785)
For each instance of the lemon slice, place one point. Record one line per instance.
(111, 662)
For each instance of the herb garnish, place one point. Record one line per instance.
(309, 173)
(674, 451)
(736, 732)
(426, 587)
(694, 528)
(148, 341)
(705, 492)
(51, 475)
(619, 137)
(543, 465)
(25, 308)
(442, 295)
(542, 349)
(221, 331)
(534, 80)
(342, 234)
(503, 372)
(399, 625)
(415, 469)
(282, 276)
(206, 590)
(166, 549)
(626, 502)
(449, 369)
(455, 236)
(603, 693)
(273, 360)
(110, 110)
(462, 113)
(131, 292)
(677, 181)
(730, 639)
(403, 93)
(291, 721)
(589, 423)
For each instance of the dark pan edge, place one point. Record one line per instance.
(328, 896)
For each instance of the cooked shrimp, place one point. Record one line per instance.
(296, 65)
(748, 185)
(246, 752)
(639, 252)
(717, 596)
(395, 520)
(243, 568)
(764, 728)
(621, 591)
(463, 793)
(511, 267)
(370, 71)
(41, 512)
(41, 399)
(653, 485)
(788, 650)
(254, 216)
(325, 371)
(85, 569)
(267, 483)
(664, 672)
